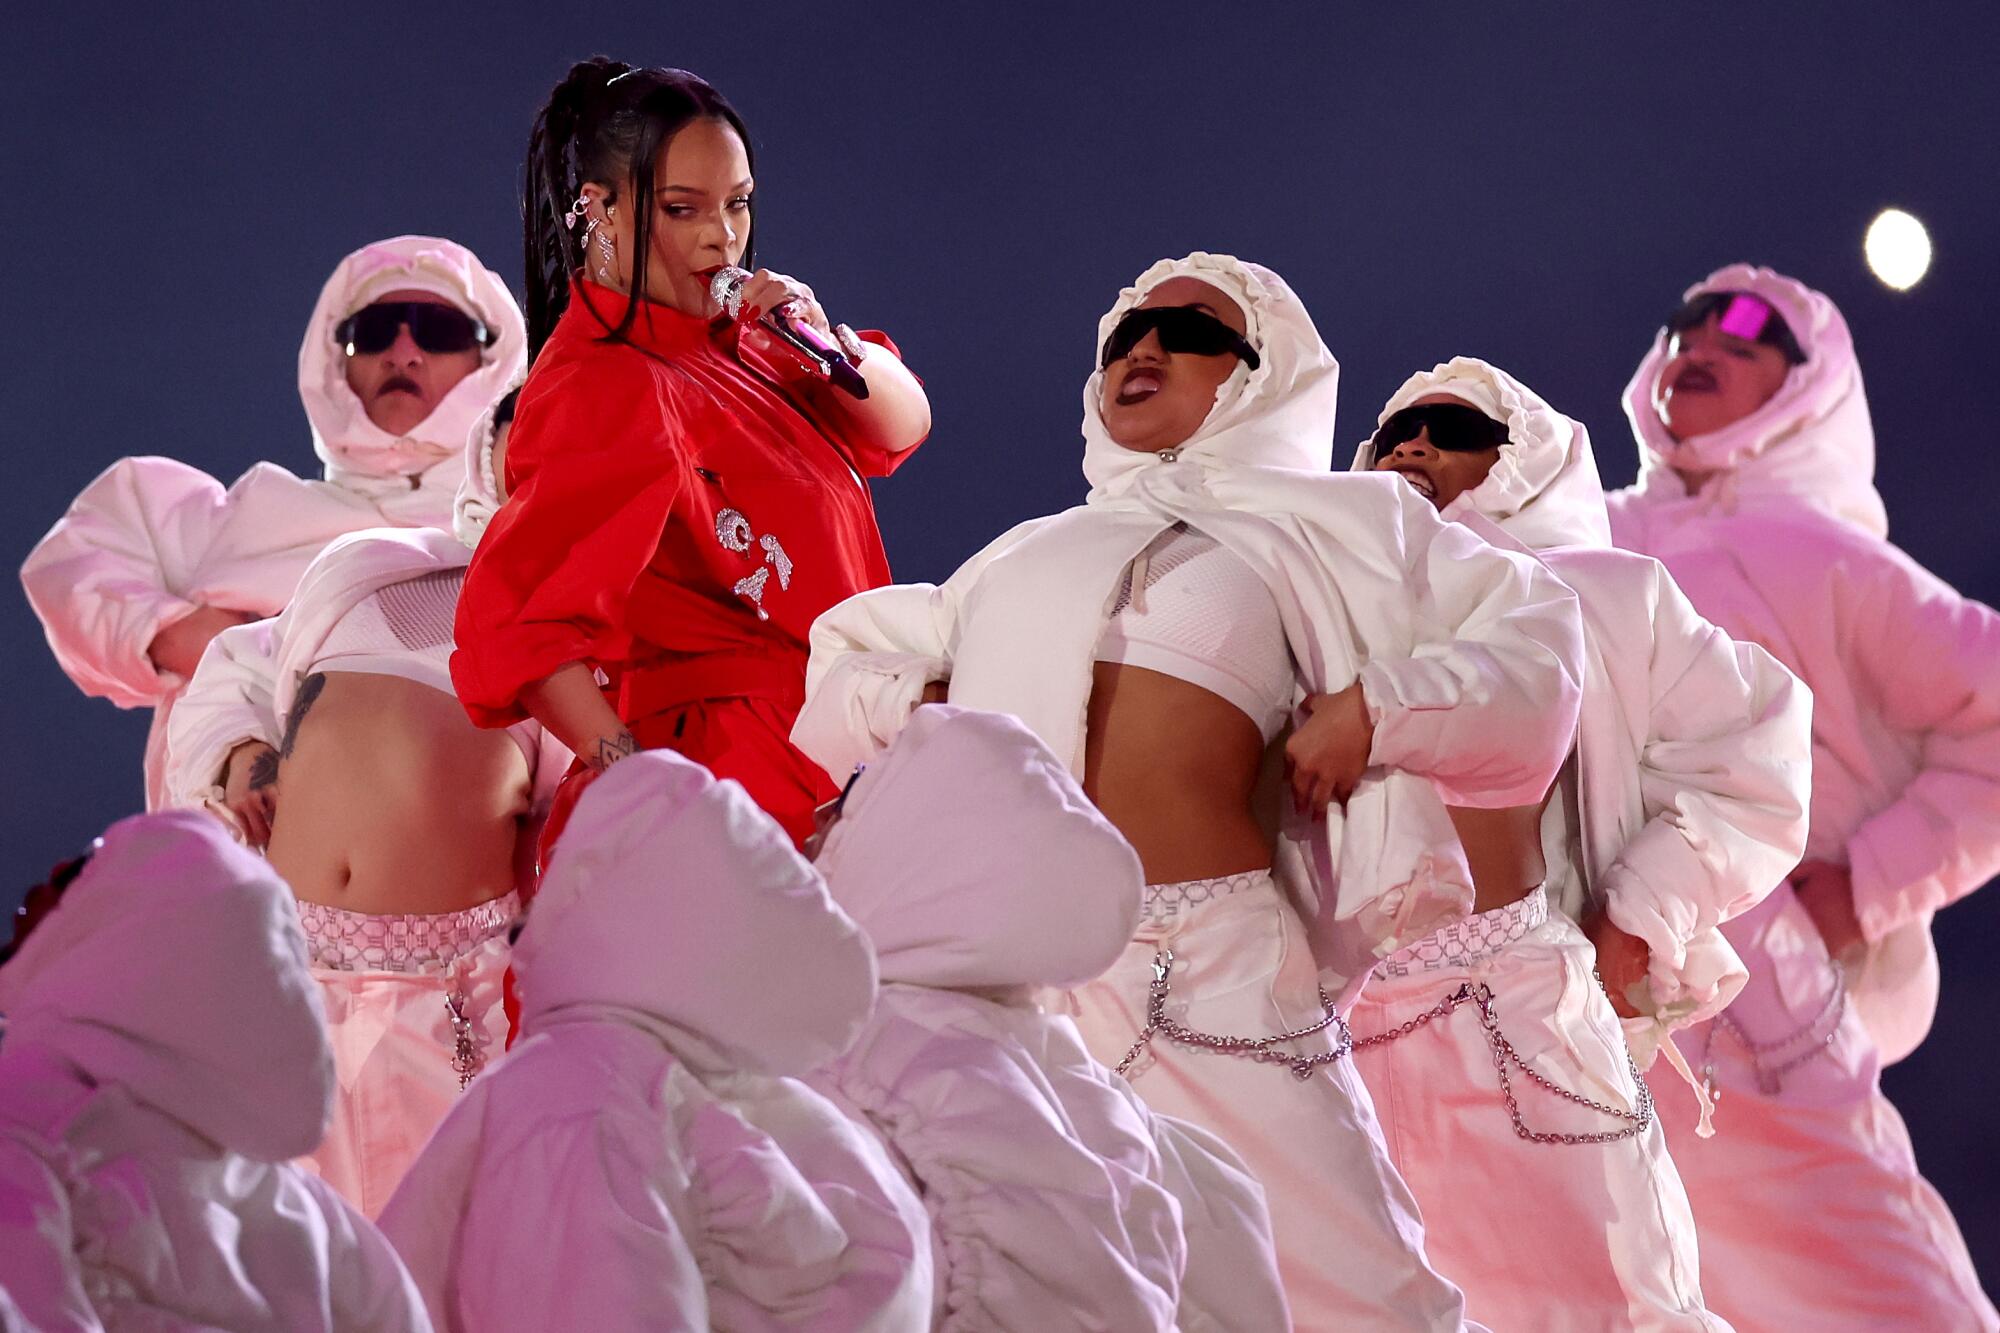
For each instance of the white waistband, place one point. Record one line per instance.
(344, 941)
(1164, 901)
(1469, 939)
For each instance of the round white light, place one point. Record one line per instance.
(1898, 249)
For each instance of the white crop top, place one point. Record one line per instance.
(405, 629)
(1192, 610)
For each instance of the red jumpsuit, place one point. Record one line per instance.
(676, 522)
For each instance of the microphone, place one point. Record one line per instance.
(726, 290)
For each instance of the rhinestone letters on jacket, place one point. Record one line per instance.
(734, 532)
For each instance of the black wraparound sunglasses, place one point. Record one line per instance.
(1183, 329)
(435, 328)
(1453, 427)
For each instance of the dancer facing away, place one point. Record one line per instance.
(643, 1158)
(684, 501)
(982, 873)
(411, 340)
(1684, 802)
(162, 1057)
(1157, 638)
(331, 736)
(1757, 492)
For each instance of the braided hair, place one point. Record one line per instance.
(605, 123)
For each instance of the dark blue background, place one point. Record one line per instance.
(1433, 179)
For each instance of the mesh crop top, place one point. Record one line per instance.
(1192, 610)
(405, 629)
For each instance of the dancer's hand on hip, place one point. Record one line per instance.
(1826, 891)
(250, 790)
(1622, 961)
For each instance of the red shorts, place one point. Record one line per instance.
(745, 739)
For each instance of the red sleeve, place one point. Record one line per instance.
(868, 460)
(819, 401)
(597, 464)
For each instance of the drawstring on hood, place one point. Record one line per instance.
(973, 859)
(174, 967)
(1544, 490)
(678, 906)
(478, 497)
(1813, 443)
(353, 448)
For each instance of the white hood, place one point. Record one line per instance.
(1279, 415)
(674, 903)
(348, 443)
(1813, 442)
(174, 968)
(973, 859)
(1544, 491)
(478, 497)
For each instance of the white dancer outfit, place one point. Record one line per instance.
(1684, 803)
(1810, 1204)
(413, 1002)
(981, 873)
(1472, 680)
(641, 1158)
(162, 1057)
(152, 540)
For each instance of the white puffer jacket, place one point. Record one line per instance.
(163, 1057)
(1787, 549)
(642, 1158)
(1692, 754)
(982, 874)
(152, 540)
(1469, 657)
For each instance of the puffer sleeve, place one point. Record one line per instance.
(229, 700)
(38, 1266)
(1033, 1229)
(1485, 705)
(367, 1284)
(1928, 661)
(1232, 1279)
(872, 656)
(596, 465)
(115, 569)
(583, 1227)
(880, 1275)
(1725, 778)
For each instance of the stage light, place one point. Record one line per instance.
(1898, 249)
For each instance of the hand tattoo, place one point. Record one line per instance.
(309, 689)
(611, 749)
(264, 770)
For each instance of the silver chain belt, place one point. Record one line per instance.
(1251, 1048)
(465, 1059)
(1480, 994)
(1771, 1077)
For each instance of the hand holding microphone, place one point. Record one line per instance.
(793, 317)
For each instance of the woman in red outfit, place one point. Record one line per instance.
(683, 500)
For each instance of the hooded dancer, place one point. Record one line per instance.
(1684, 802)
(1216, 583)
(684, 503)
(162, 1057)
(411, 340)
(641, 1158)
(407, 833)
(981, 873)
(1757, 493)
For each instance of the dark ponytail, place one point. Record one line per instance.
(604, 124)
